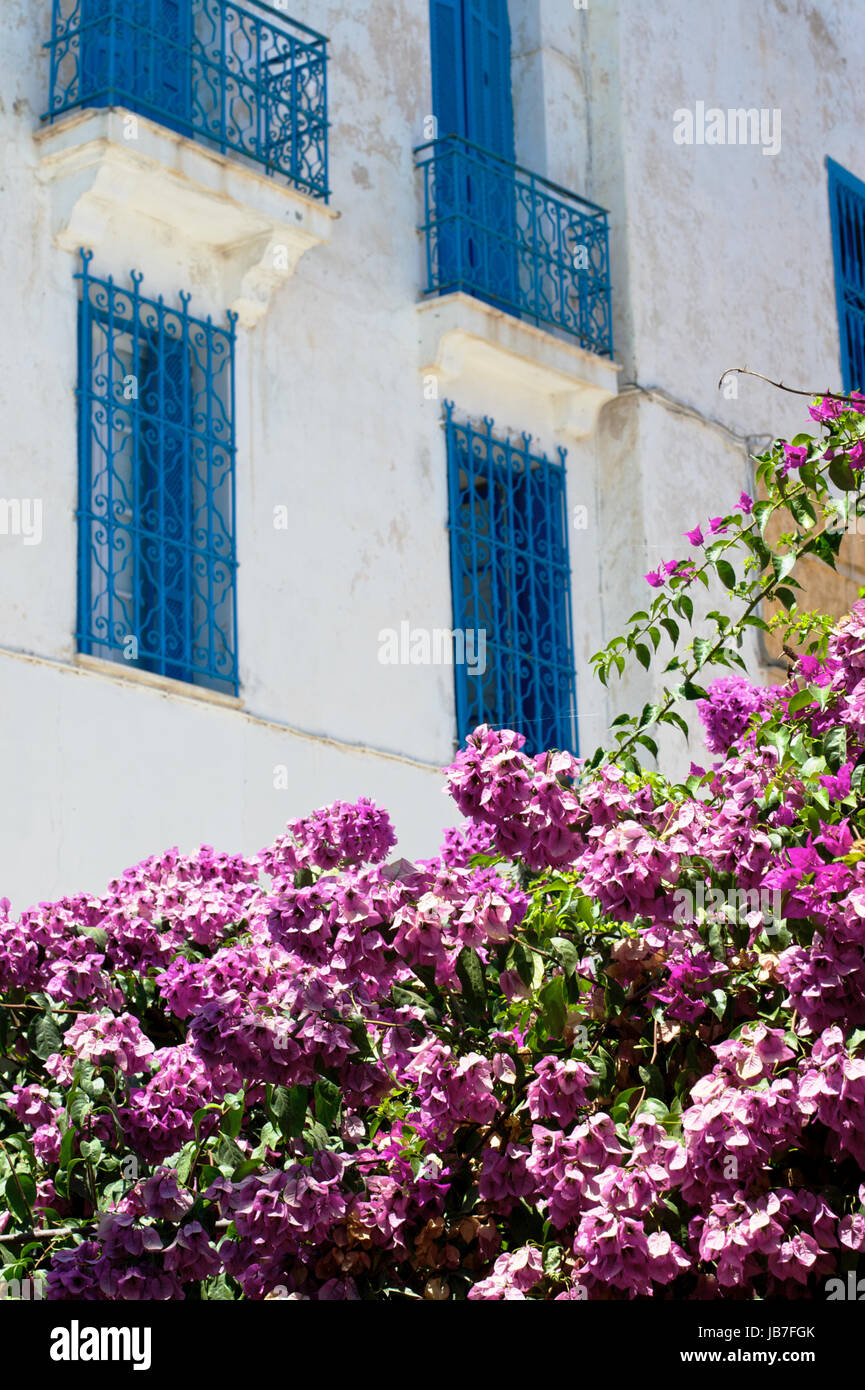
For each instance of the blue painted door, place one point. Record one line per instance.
(475, 200)
(487, 61)
(138, 53)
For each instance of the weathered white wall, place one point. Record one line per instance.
(720, 257)
(332, 422)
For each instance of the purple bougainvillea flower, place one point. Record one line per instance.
(794, 457)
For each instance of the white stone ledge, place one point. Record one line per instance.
(462, 338)
(120, 671)
(101, 179)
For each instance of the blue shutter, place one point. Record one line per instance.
(847, 207)
(448, 66)
(163, 564)
(166, 70)
(476, 228)
(94, 65)
(491, 191)
(487, 46)
(138, 54)
(471, 72)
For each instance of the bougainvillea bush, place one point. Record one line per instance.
(609, 1043)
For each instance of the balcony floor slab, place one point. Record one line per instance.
(464, 339)
(111, 169)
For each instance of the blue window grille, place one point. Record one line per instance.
(156, 504)
(510, 579)
(500, 233)
(847, 210)
(244, 78)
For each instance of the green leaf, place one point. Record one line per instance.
(643, 655)
(184, 1162)
(803, 512)
(77, 1106)
(835, 747)
(316, 1135)
(702, 647)
(200, 1114)
(403, 996)
(44, 1036)
(227, 1154)
(20, 1192)
(232, 1121)
(647, 742)
(684, 606)
(718, 1003)
(690, 691)
(842, 475)
(67, 1144)
(566, 952)
(217, 1289)
(799, 701)
(783, 564)
(762, 512)
(243, 1170)
(328, 1102)
(726, 574)
(554, 1009)
(470, 974)
(655, 1107)
(289, 1105)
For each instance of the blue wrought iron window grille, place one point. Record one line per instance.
(502, 234)
(243, 78)
(511, 579)
(156, 503)
(847, 210)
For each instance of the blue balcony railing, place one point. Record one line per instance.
(243, 78)
(502, 234)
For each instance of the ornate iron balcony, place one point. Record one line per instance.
(243, 78)
(503, 234)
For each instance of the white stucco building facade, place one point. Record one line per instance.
(720, 256)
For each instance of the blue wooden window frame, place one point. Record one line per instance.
(847, 212)
(156, 504)
(511, 578)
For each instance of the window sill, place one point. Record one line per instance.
(464, 338)
(131, 675)
(107, 185)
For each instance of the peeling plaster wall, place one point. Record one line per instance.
(721, 256)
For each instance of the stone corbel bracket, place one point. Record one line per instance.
(462, 339)
(114, 174)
